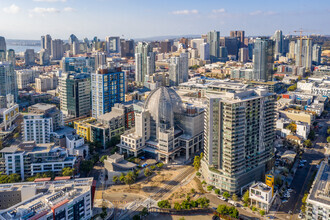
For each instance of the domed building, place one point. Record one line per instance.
(165, 128)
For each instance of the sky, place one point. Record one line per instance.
(30, 19)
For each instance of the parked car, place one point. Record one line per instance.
(290, 190)
(300, 215)
(284, 201)
(222, 198)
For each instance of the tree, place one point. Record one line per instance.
(86, 166)
(144, 212)
(254, 208)
(293, 87)
(222, 210)
(67, 171)
(129, 178)
(165, 204)
(147, 172)
(246, 197)
(233, 212)
(152, 167)
(136, 217)
(160, 165)
(292, 126)
(197, 163)
(198, 174)
(115, 179)
(311, 135)
(122, 178)
(328, 139)
(177, 206)
(262, 212)
(95, 158)
(203, 202)
(16, 135)
(114, 141)
(234, 197)
(328, 131)
(226, 195)
(104, 157)
(209, 188)
(217, 191)
(308, 143)
(185, 204)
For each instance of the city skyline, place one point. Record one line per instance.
(32, 18)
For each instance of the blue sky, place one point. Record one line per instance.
(29, 19)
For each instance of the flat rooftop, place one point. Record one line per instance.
(320, 192)
(55, 194)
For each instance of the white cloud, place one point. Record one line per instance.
(221, 10)
(44, 11)
(69, 9)
(13, 9)
(185, 12)
(263, 13)
(49, 0)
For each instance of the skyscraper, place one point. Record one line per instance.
(75, 94)
(304, 53)
(10, 56)
(44, 57)
(29, 57)
(213, 38)
(144, 62)
(232, 45)
(108, 88)
(263, 59)
(3, 44)
(113, 44)
(278, 37)
(100, 59)
(178, 69)
(316, 54)
(8, 82)
(240, 37)
(72, 39)
(127, 48)
(204, 51)
(165, 46)
(243, 54)
(46, 42)
(57, 49)
(239, 136)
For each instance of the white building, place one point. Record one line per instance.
(204, 51)
(37, 128)
(25, 77)
(261, 196)
(59, 199)
(178, 69)
(318, 200)
(28, 159)
(76, 146)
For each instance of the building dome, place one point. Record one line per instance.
(162, 103)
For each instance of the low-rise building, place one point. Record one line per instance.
(25, 77)
(318, 200)
(28, 159)
(116, 162)
(46, 82)
(261, 196)
(76, 146)
(60, 199)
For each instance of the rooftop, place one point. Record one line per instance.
(261, 186)
(55, 194)
(320, 192)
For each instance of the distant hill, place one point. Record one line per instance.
(160, 38)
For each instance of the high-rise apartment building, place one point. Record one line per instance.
(78, 64)
(213, 38)
(10, 56)
(113, 44)
(165, 46)
(304, 53)
(108, 88)
(239, 136)
(40, 122)
(263, 59)
(204, 51)
(25, 77)
(243, 54)
(29, 57)
(3, 46)
(240, 37)
(232, 45)
(57, 49)
(8, 82)
(316, 56)
(75, 94)
(178, 69)
(46, 82)
(127, 48)
(46, 42)
(100, 60)
(44, 57)
(278, 49)
(144, 62)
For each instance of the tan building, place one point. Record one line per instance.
(46, 82)
(298, 115)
